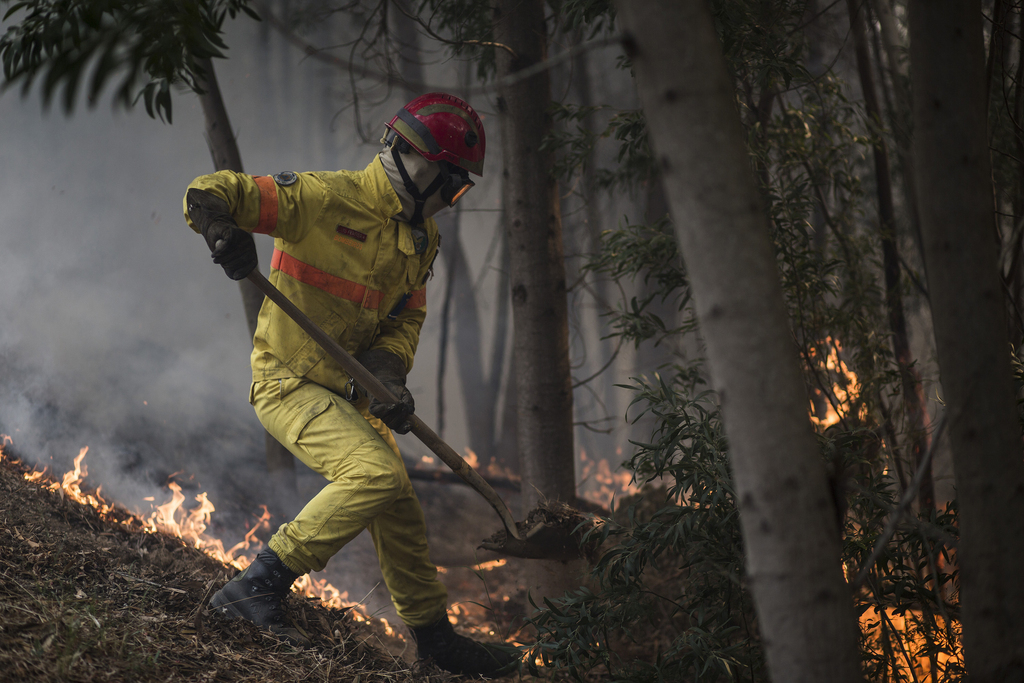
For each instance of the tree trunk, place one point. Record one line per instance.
(913, 390)
(503, 449)
(226, 157)
(539, 310)
(480, 401)
(540, 338)
(954, 183)
(787, 514)
(895, 50)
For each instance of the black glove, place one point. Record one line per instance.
(390, 370)
(233, 249)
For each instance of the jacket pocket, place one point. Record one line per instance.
(290, 343)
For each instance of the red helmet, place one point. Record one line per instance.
(443, 127)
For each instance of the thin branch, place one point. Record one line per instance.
(445, 476)
(587, 424)
(603, 367)
(129, 577)
(897, 514)
(432, 34)
(393, 79)
(913, 278)
(319, 54)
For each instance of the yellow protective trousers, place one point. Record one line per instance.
(369, 489)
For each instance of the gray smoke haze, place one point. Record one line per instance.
(116, 330)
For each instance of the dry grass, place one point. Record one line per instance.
(86, 599)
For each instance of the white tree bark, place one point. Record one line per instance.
(788, 516)
(947, 60)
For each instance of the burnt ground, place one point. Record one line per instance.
(85, 597)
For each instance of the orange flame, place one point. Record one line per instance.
(609, 484)
(921, 660)
(843, 393)
(173, 519)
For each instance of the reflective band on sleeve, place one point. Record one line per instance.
(333, 285)
(417, 299)
(268, 204)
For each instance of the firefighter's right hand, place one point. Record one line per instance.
(234, 250)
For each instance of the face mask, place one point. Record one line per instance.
(428, 186)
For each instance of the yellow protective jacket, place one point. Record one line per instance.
(340, 256)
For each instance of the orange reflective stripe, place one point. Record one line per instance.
(417, 299)
(332, 284)
(268, 204)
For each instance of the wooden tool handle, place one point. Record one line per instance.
(377, 390)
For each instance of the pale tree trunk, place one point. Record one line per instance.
(226, 157)
(503, 448)
(954, 183)
(787, 514)
(480, 400)
(540, 337)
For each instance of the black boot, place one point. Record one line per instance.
(257, 594)
(440, 644)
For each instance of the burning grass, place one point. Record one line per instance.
(88, 593)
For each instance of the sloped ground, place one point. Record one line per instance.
(87, 599)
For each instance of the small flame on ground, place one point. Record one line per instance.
(493, 468)
(172, 518)
(482, 567)
(610, 484)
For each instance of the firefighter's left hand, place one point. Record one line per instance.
(390, 370)
(236, 254)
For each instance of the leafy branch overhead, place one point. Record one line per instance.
(144, 45)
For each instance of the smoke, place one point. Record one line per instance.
(118, 333)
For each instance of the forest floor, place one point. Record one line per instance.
(87, 595)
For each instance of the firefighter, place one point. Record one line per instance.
(353, 249)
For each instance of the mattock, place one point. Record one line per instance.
(541, 542)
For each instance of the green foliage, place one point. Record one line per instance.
(591, 16)
(634, 162)
(762, 44)
(908, 607)
(149, 45)
(573, 140)
(671, 572)
(673, 568)
(470, 26)
(649, 252)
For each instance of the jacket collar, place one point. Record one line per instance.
(377, 180)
